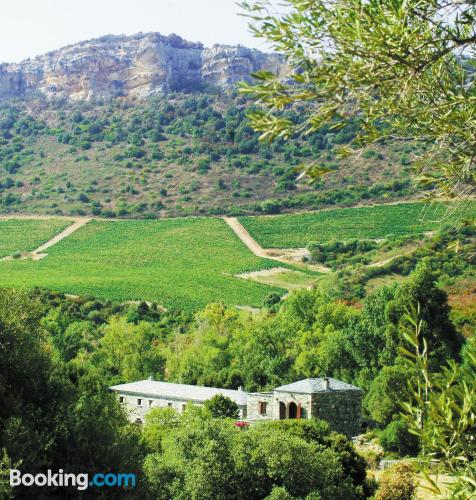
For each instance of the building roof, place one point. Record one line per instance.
(314, 385)
(184, 392)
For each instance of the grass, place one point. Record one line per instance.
(183, 263)
(17, 235)
(283, 278)
(387, 279)
(297, 230)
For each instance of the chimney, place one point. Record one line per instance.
(326, 383)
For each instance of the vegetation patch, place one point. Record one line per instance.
(179, 154)
(297, 230)
(22, 235)
(282, 278)
(182, 263)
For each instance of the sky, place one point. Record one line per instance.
(32, 27)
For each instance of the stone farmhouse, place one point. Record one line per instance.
(325, 398)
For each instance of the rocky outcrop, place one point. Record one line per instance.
(135, 66)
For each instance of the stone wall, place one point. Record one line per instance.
(342, 409)
(138, 411)
(287, 398)
(254, 411)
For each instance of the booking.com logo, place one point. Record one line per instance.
(79, 481)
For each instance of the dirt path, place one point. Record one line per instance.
(404, 252)
(64, 234)
(245, 236)
(291, 256)
(38, 253)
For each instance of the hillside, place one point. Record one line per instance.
(175, 155)
(148, 126)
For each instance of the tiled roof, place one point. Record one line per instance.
(313, 385)
(184, 392)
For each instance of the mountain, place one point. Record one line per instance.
(151, 126)
(140, 66)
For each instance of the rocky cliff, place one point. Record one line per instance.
(135, 66)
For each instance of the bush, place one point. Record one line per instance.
(397, 437)
(222, 407)
(271, 207)
(272, 299)
(397, 483)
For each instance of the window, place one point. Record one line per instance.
(150, 402)
(262, 407)
(121, 400)
(139, 402)
(169, 405)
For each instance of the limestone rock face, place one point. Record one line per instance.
(133, 66)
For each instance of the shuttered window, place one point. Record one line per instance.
(262, 405)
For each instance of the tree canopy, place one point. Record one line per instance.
(403, 68)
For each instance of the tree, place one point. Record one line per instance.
(389, 388)
(45, 420)
(158, 423)
(442, 410)
(397, 437)
(100, 437)
(404, 69)
(34, 395)
(443, 340)
(210, 458)
(203, 357)
(73, 338)
(222, 407)
(5, 466)
(128, 352)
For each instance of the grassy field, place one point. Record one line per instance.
(283, 278)
(297, 230)
(177, 262)
(25, 235)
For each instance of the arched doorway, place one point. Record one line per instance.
(282, 411)
(292, 410)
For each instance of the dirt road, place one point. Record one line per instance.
(64, 234)
(293, 256)
(39, 253)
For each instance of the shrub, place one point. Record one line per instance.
(272, 299)
(222, 407)
(203, 166)
(397, 437)
(271, 207)
(397, 483)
